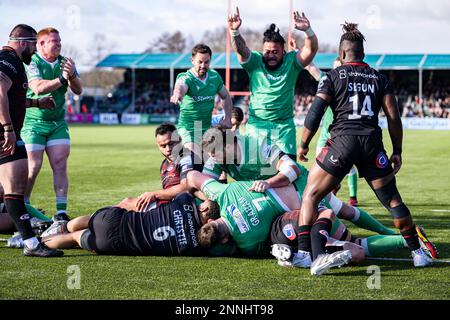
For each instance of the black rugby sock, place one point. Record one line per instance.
(304, 238)
(411, 238)
(319, 236)
(15, 206)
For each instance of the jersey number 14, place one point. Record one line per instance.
(366, 110)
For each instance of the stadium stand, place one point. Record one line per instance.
(153, 77)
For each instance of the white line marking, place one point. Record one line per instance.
(440, 210)
(402, 259)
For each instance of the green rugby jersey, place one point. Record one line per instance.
(248, 215)
(272, 92)
(198, 103)
(258, 160)
(327, 120)
(39, 68)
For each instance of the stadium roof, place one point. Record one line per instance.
(322, 60)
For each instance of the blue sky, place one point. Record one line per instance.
(390, 26)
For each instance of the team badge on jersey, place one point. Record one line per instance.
(238, 218)
(381, 161)
(288, 231)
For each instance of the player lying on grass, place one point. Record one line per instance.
(246, 218)
(169, 229)
(246, 158)
(173, 170)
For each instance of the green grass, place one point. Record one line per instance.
(109, 163)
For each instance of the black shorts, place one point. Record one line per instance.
(365, 152)
(104, 234)
(285, 228)
(19, 153)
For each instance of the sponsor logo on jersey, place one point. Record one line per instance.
(273, 78)
(381, 161)
(203, 98)
(361, 74)
(9, 65)
(342, 74)
(288, 231)
(238, 218)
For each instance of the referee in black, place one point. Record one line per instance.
(356, 93)
(13, 157)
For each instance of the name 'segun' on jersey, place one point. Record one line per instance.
(357, 91)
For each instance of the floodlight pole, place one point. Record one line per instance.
(227, 54)
(291, 9)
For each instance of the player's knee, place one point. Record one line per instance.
(34, 167)
(59, 164)
(388, 194)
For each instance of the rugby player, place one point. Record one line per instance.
(173, 170)
(195, 91)
(253, 158)
(168, 229)
(49, 74)
(355, 92)
(247, 217)
(327, 120)
(13, 158)
(273, 74)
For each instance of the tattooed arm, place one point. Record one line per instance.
(237, 41)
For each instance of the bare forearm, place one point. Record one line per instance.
(170, 193)
(307, 136)
(279, 180)
(240, 47)
(75, 86)
(4, 109)
(227, 105)
(396, 133)
(45, 86)
(306, 55)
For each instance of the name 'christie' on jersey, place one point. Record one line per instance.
(169, 229)
(357, 91)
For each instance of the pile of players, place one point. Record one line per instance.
(274, 204)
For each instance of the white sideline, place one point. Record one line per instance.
(404, 259)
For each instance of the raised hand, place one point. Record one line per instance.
(234, 20)
(68, 68)
(301, 22)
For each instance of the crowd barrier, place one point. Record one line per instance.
(138, 119)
